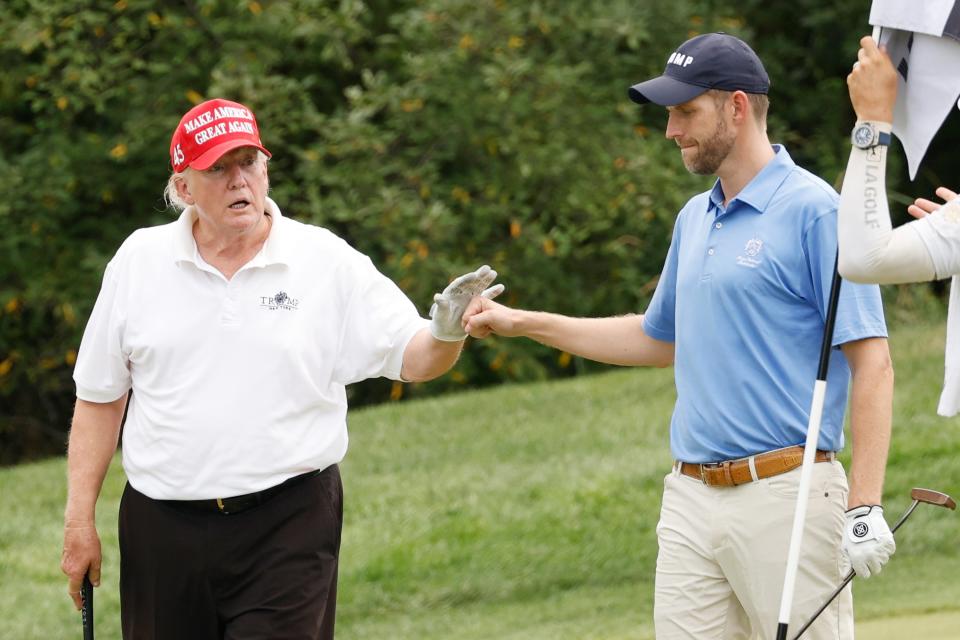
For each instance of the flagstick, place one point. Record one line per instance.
(810, 448)
(809, 451)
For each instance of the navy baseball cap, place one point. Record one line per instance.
(708, 61)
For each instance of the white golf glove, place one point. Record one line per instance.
(867, 540)
(448, 307)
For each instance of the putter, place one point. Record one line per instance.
(86, 612)
(926, 496)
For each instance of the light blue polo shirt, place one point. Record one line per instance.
(744, 294)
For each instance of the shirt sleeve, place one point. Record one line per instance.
(378, 324)
(940, 234)
(102, 371)
(659, 321)
(860, 309)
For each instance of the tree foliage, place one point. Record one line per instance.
(434, 135)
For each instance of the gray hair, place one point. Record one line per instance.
(173, 199)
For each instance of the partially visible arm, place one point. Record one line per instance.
(617, 340)
(870, 249)
(871, 409)
(426, 358)
(93, 441)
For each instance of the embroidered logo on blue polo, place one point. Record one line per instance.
(279, 300)
(752, 251)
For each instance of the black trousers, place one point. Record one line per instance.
(269, 572)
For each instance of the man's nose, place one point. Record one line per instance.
(235, 177)
(673, 130)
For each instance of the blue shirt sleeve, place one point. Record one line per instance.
(659, 319)
(860, 310)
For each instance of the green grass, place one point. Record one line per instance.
(525, 511)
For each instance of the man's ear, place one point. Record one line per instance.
(183, 190)
(740, 104)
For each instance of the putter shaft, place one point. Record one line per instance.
(927, 496)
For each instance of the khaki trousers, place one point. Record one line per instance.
(723, 556)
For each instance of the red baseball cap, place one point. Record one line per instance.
(211, 129)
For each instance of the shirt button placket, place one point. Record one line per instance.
(229, 314)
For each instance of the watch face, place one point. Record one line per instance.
(863, 135)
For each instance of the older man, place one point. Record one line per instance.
(739, 311)
(236, 329)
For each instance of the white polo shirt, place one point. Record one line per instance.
(238, 385)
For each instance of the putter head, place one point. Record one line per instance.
(929, 496)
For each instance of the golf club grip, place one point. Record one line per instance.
(86, 612)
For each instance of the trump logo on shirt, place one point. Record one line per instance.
(279, 300)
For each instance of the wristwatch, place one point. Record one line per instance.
(866, 135)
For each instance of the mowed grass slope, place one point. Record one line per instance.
(525, 511)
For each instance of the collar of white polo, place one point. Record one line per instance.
(273, 251)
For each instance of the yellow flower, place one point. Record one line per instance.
(69, 316)
(255, 8)
(564, 359)
(396, 390)
(467, 42)
(70, 357)
(12, 305)
(5, 367)
(514, 228)
(515, 42)
(62, 103)
(154, 19)
(458, 377)
(549, 246)
(120, 5)
(412, 105)
(118, 151)
(461, 195)
(194, 97)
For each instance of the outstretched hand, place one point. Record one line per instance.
(922, 207)
(448, 307)
(873, 83)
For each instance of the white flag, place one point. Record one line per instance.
(923, 40)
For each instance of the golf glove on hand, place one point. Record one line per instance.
(867, 540)
(448, 307)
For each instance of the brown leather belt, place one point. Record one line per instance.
(734, 472)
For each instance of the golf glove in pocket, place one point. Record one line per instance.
(867, 540)
(448, 307)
